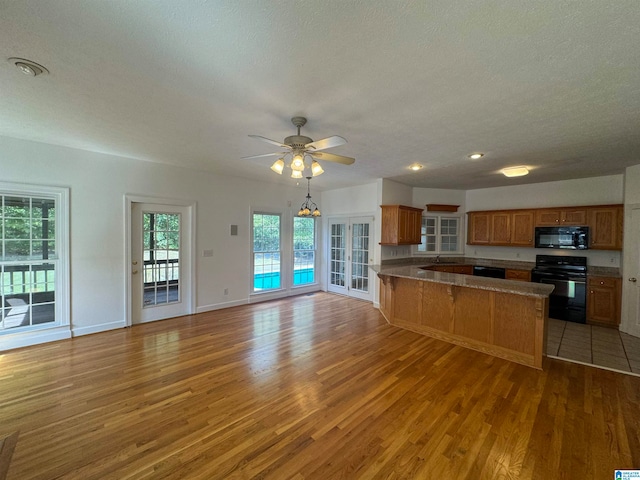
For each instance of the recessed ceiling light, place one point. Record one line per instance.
(475, 156)
(28, 67)
(515, 171)
(415, 167)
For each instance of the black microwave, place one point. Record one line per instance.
(570, 238)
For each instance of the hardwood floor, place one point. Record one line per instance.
(311, 387)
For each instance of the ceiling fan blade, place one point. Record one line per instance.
(263, 155)
(334, 141)
(330, 157)
(272, 142)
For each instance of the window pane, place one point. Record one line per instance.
(266, 252)
(304, 239)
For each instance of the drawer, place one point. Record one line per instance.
(523, 275)
(608, 282)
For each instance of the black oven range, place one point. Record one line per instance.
(568, 275)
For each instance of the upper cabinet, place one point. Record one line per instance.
(504, 227)
(517, 227)
(605, 227)
(479, 232)
(400, 225)
(553, 217)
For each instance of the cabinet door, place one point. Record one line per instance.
(577, 217)
(522, 228)
(389, 233)
(547, 218)
(500, 228)
(603, 300)
(413, 227)
(604, 228)
(479, 228)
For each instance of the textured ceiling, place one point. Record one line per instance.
(553, 85)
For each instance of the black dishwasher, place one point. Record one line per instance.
(492, 272)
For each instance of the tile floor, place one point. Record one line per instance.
(598, 346)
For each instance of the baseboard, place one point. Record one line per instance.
(103, 327)
(34, 337)
(219, 306)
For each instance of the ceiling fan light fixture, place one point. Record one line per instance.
(316, 169)
(297, 163)
(296, 174)
(515, 171)
(278, 166)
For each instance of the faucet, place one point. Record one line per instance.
(437, 258)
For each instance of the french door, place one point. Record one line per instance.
(349, 243)
(160, 261)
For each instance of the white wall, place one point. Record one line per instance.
(585, 191)
(98, 184)
(565, 193)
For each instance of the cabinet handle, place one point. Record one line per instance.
(601, 283)
(633, 279)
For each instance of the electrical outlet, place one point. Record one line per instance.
(613, 260)
(517, 255)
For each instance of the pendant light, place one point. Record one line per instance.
(308, 207)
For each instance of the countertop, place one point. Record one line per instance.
(498, 285)
(487, 262)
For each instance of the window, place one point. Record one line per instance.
(266, 252)
(33, 265)
(161, 234)
(440, 234)
(304, 250)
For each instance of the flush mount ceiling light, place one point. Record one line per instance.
(476, 156)
(28, 67)
(515, 171)
(415, 167)
(308, 208)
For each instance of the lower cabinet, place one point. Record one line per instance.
(603, 301)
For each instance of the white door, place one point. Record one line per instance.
(631, 279)
(160, 261)
(350, 242)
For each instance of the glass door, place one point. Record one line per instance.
(160, 269)
(349, 254)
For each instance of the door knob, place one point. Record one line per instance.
(633, 279)
(134, 272)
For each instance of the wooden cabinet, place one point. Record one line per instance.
(522, 228)
(517, 227)
(500, 228)
(521, 275)
(504, 227)
(603, 301)
(479, 232)
(400, 225)
(605, 227)
(553, 217)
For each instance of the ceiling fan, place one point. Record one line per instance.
(303, 148)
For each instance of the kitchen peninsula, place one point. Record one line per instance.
(503, 318)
